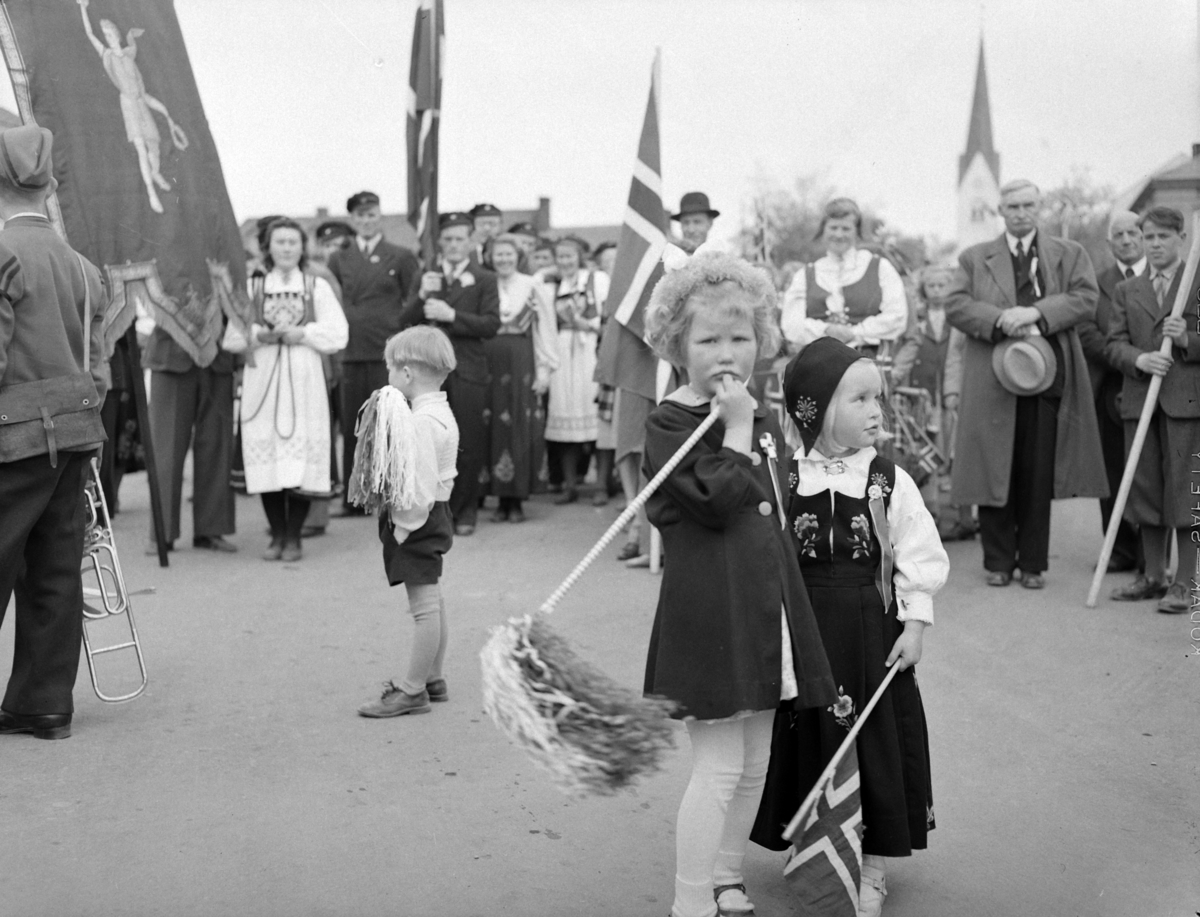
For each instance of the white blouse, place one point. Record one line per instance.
(515, 291)
(921, 564)
(327, 333)
(834, 274)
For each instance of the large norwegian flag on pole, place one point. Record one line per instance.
(624, 360)
(424, 116)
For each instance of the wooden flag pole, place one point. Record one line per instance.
(142, 410)
(826, 775)
(1143, 427)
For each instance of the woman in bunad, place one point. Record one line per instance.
(572, 418)
(849, 294)
(284, 408)
(521, 359)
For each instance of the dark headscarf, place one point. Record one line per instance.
(810, 381)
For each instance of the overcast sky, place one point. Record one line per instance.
(306, 98)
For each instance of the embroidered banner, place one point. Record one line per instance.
(139, 176)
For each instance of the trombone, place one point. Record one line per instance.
(108, 595)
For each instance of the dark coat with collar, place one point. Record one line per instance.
(1093, 333)
(1136, 327)
(984, 286)
(42, 329)
(716, 644)
(476, 305)
(373, 291)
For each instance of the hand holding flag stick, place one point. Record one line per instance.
(1148, 406)
(826, 775)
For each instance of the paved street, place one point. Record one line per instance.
(1065, 747)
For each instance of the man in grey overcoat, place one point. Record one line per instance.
(1014, 454)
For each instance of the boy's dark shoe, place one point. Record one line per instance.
(1139, 590)
(394, 702)
(437, 691)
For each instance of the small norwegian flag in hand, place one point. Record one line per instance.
(825, 867)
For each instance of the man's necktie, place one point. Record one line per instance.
(1128, 273)
(1160, 287)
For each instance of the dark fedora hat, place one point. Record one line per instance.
(695, 202)
(1024, 366)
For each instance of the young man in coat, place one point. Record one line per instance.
(1125, 242)
(461, 298)
(1165, 485)
(1014, 454)
(375, 276)
(52, 381)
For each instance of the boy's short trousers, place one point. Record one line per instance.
(1162, 485)
(419, 560)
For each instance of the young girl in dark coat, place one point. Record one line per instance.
(872, 560)
(734, 634)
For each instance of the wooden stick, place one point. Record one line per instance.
(827, 774)
(1143, 427)
(630, 511)
(142, 410)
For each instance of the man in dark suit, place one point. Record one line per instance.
(487, 222)
(460, 297)
(1163, 495)
(1014, 454)
(1125, 241)
(52, 380)
(375, 276)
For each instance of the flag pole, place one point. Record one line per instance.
(656, 544)
(1143, 427)
(429, 242)
(827, 774)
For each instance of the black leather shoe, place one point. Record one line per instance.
(39, 725)
(214, 543)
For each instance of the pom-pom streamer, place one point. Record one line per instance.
(588, 732)
(385, 456)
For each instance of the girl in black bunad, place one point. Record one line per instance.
(872, 560)
(734, 634)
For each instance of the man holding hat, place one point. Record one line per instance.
(375, 276)
(487, 222)
(1027, 432)
(461, 298)
(53, 379)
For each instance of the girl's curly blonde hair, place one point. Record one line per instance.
(669, 318)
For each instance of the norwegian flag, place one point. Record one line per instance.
(624, 359)
(826, 867)
(424, 114)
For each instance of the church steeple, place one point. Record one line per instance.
(979, 170)
(979, 133)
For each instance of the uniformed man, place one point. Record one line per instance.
(461, 298)
(375, 276)
(52, 382)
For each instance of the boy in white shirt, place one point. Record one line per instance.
(419, 359)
